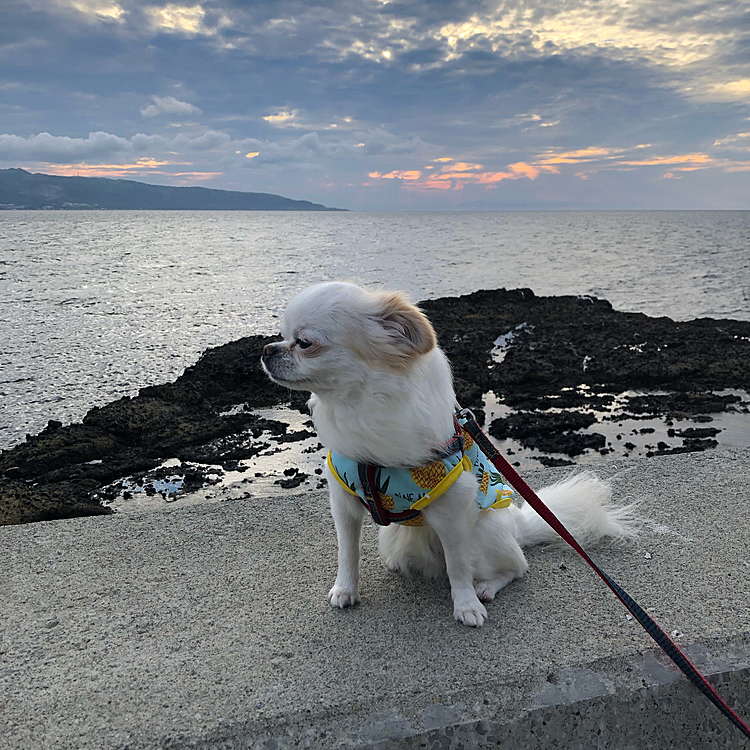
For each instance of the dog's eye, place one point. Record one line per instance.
(304, 343)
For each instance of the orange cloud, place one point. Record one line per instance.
(456, 175)
(523, 169)
(432, 184)
(581, 155)
(145, 165)
(408, 174)
(460, 174)
(461, 166)
(142, 167)
(490, 178)
(662, 160)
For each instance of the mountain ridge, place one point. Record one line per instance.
(20, 189)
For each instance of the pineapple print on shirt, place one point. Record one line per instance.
(428, 477)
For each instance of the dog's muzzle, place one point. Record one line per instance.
(275, 360)
(269, 350)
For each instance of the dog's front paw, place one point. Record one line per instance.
(340, 596)
(470, 611)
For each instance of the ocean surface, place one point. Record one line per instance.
(95, 305)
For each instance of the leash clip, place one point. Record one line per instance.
(464, 413)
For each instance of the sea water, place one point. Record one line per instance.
(97, 304)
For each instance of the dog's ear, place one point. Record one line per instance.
(407, 326)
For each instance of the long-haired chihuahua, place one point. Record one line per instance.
(383, 404)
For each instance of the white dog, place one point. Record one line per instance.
(382, 396)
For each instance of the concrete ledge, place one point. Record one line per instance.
(207, 627)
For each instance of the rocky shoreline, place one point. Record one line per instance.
(557, 369)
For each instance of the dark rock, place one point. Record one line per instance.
(625, 350)
(552, 461)
(567, 399)
(569, 443)
(699, 444)
(293, 437)
(695, 432)
(292, 482)
(551, 432)
(680, 405)
(527, 424)
(21, 503)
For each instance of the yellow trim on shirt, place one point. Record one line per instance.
(338, 478)
(504, 499)
(445, 483)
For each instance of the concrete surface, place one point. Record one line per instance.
(207, 627)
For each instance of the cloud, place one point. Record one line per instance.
(101, 9)
(457, 176)
(197, 154)
(326, 92)
(598, 160)
(169, 105)
(731, 90)
(142, 142)
(738, 140)
(98, 146)
(138, 168)
(380, 142)
(46, 147)
(579, 156)
(180, 18)
(284, 118)
(210, 141)
(660, 161)
(303, 151)
(397, 174)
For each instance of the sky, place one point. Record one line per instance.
(389, 104)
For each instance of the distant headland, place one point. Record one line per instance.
(20, 189)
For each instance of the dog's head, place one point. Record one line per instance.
(336, 334)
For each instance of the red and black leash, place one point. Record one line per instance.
(661, 638)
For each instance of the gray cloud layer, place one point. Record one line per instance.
(346, 101)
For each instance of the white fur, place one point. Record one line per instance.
(382, 393)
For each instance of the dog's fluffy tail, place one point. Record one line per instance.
(583, 504)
